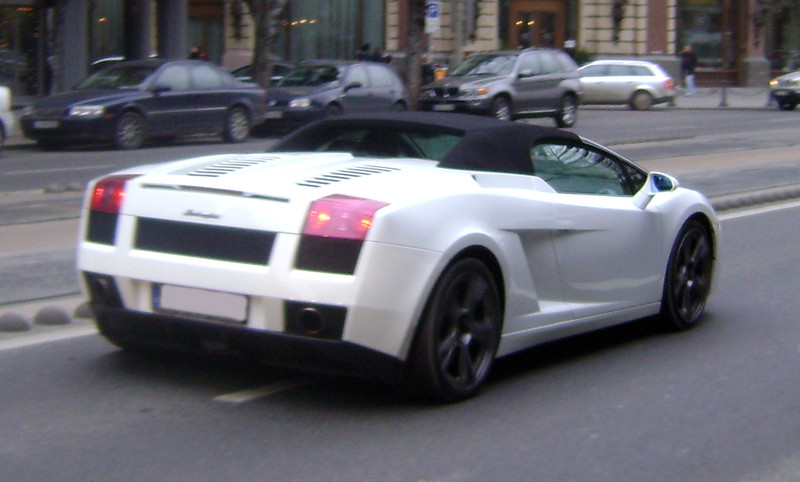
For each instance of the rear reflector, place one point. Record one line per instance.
(108, 194)
(341, 217)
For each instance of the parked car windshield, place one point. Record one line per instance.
(117, 77)
(486, 65)
(310, 76)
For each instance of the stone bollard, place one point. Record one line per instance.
(723, 101)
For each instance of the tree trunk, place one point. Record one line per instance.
(267, 22)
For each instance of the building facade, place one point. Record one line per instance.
(48, 45)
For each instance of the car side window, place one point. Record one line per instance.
(594, 71)
(205, 77)
(619, 70)
(379, 76)
(580, 169)
(358, 74)
(549, 63)
(176, 77)
(640, 71)
(529, 65)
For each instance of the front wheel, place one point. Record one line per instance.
(786, 105)
(567, 112)
(458, 334)
(129, 133)
(237, 125)
(501, 109)
(688, 279)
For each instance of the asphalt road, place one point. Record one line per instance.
(718, 403)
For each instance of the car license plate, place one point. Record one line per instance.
(444, 107)
(274, 114)
(45, 124)
(198, 302)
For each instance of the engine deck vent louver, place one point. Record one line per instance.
(345, 174)
(231, 165)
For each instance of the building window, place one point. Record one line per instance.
(700, 24)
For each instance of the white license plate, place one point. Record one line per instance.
(45, 124)
(444, 107)
(198, 302)
(274, 114)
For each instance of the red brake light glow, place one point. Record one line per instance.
(108, 194)
(342, 217)
(669, 84)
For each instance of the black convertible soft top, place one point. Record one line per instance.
(485, 144)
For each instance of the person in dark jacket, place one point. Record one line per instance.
(688, 65)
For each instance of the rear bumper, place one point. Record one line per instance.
(127, 327)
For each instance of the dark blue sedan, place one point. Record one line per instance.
(130, 102)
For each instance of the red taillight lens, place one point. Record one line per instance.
(109, 193)
(669, 84)
(342, 217)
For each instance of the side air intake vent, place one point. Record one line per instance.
(345, 174)
(231, 165)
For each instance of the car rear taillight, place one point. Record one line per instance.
(108, 194)
(669, 84)
(335, 229)
(341, 217)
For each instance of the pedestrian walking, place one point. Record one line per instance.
(688, 65)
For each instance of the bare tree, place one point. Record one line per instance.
(267, 26)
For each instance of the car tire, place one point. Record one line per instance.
(458, 334)
(501, 108)
(399, 107)
(687, 283)
(567, 111)
(641, 100)
(129, 132)
(786, 105)
(237, 125)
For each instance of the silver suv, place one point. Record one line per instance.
(509, 85)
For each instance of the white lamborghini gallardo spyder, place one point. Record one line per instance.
(408, 247)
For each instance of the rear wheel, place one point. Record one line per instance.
(688, 279)
(786, 105)
(567, 112)
(458, 333)
(129, 133)
(501, 108)
(237, 125)
(641, 100)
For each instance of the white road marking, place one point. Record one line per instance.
(59, 334)
(760, 209)
(244, 396)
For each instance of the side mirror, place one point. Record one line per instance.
(656, 182)
(158, 89)
(352, 85)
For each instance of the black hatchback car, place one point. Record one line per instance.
(510, 84)
(130, 102)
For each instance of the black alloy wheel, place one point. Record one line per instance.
(129, 133)
(567, 112)
(688, 278)
(237, 125)
(458, 334)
